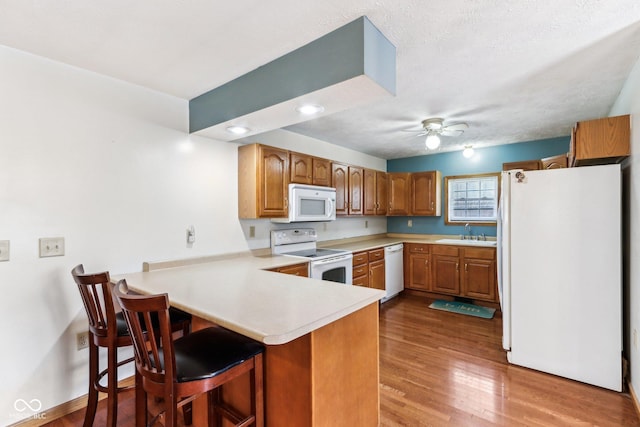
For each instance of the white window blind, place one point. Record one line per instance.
(473, 199)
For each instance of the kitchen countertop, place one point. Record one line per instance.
(237, 293)
(365, 244)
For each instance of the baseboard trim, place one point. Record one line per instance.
(634, 398)
(65, 408)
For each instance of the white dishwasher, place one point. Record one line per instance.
(393, 271)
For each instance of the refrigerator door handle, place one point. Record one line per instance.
(504, 259)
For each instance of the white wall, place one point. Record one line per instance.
(110, 167)
(628, 102)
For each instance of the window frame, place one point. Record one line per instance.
(493, 221)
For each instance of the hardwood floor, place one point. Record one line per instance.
(439, 368)
(444, 369)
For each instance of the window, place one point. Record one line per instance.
(472, 199)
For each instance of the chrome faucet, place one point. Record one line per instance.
(467, 228)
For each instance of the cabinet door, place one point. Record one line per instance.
(381, 193)
(273, 188)
(369, 192)
(419, 272)
(340, 180)
(355, 190)
(399, 186)
(376, 274)
(554, 162)
(300, 166)
(601, 141)
(423, 193)
(446, 274)
(479, 279)
(528, 165)
(321, 172)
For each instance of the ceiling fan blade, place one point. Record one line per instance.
(456, 126)
(452, 132)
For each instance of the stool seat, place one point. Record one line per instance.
(196, 360)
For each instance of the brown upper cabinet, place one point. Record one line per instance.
(426, 193)
(356, 184)
(600, 141)
(263, 181)
(528, 165)
(554, 162)
(375, 192)
(348, 182)
(399, 187)
(311, 170)
(340, 180)
(321, 172)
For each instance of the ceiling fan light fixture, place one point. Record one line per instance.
(433, 141)
(310, 109)
(468, 151)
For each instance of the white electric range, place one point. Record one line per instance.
(325, 264)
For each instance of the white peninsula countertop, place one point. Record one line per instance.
(238, 294)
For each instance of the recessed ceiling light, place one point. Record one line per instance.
(238, 130)
(310, 109)
(468, 151)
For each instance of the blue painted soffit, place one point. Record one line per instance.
(350, 66)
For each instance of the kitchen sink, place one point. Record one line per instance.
(491, 243)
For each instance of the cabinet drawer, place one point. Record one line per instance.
(360, 258)
(376, 254)
(360, 271)
(418, 248)
(445, 250)
(480, 253)
(361, 281)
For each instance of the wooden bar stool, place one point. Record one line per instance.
(190, 366)
(107, 328)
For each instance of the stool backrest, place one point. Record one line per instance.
(153, 347)
(95, 290)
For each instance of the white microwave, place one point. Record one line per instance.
(310, 203)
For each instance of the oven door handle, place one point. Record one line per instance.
(332, 259)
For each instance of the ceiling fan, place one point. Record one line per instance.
(435, 127)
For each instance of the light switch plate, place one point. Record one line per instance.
(4, 250)
(51, 246)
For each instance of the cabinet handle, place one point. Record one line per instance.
(457, 266)
(370, 272)
(432, 205)
(466, 267)
(426, 262)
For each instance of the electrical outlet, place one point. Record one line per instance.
(366, 224)
(252, 231)
(51, 246)
(410, 223)
(82, 340)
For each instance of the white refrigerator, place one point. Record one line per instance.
(560, 272)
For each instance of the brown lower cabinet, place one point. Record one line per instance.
(463, 271)
(301, 269)
(368, 268)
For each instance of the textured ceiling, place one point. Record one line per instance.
(513, 70)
